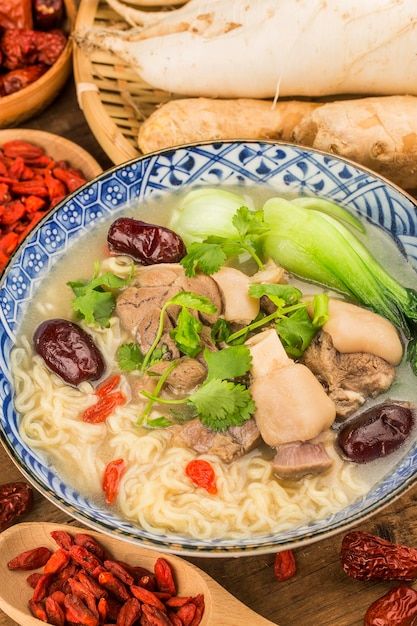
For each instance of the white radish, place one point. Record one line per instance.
(266, 48)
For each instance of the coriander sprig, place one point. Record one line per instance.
(219, 402)
(209, 255)
(94, 299)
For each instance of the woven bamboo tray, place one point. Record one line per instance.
(114, 99)
(31, 100)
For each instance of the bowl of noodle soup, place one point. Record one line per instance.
(157, 506)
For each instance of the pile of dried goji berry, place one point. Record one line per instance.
(82, 584)
(31, 183)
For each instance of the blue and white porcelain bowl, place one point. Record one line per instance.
(289, 169)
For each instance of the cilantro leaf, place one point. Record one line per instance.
(221, 404)
(248, 223)
(129, 357)
(96, 306)
(280, 295)
(228, 363)
(192, 301)
(296, 332)
(94, 300)
(209, 255)
(186, 330)
(186, 333)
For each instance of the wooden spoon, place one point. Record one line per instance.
(220, 606)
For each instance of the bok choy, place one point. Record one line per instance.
(316, 246)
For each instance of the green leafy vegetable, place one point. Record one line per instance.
(296, 332)
(186, 333)
(205, 212)
(291, 318)
(94, 299)
(221, 404)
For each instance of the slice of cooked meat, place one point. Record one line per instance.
(160, 275)
(185, 377)
(139, 305)
(299, 458)
(204, 285)
(135, 304)
(227, 445)
(348, 378)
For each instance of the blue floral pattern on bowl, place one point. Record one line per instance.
(288, 169)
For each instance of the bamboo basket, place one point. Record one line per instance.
(31, 100)
(113, 98)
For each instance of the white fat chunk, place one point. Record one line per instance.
(291, 404)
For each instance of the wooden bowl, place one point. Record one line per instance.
(56, 147)
(31, 100)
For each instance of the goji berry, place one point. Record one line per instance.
(54, 612)
(129, 613)
(284, 565)
(103, 408)
(111, 479)
(30, 559)
(202, 474)
(57, 561)
(148, 597)
(62, 538)
(164, 576)
(113, 585)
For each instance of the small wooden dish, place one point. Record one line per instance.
(220, 606)
(31, 100)
(56, 147)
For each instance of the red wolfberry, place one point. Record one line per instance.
(111, 479)
(202, 474)
(30, 559)
(284, 565)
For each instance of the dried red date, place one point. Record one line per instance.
(68, 351)
(398, 607)
(145, 243)
(16, 80)
(16, 14)
(48, 14)
(367, 557)
(376, 433)
(16, 500)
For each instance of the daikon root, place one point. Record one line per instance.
(377, 132)
(265, 48)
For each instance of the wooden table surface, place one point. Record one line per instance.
(320, 593)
